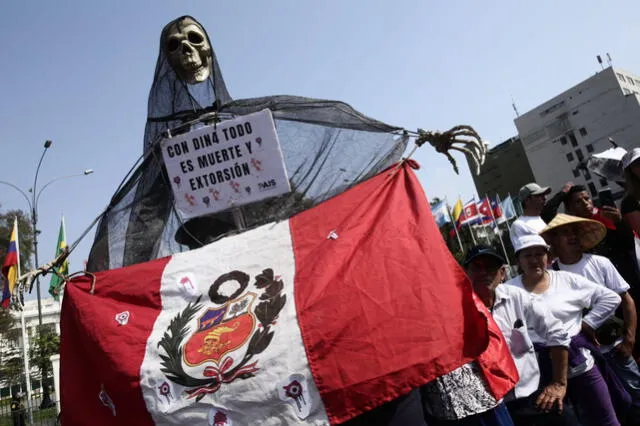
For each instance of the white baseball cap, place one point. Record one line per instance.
(529, 240)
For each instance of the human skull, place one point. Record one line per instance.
(186, 45)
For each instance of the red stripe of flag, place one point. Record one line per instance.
(89, 326)
(383, 308)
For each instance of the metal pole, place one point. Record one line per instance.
(504, 250)
(25, 337)
(27, 368)
(34, 223)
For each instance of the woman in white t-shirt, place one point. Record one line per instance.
(566, 296)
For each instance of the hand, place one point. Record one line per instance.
(590, 333)
(550, 396)
(566, 187)
(624, 349)
(611, 213)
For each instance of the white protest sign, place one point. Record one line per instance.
(234, 163)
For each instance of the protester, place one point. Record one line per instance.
(570, 237)
(512, 309)
(566, 295)
(462, 398)
(17, 411)
(533, 197)
(630, 206)
(551, 206)
(618, 245)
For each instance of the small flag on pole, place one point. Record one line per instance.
(508, 209)
(440, 213)
(56, 281)
(10, 266)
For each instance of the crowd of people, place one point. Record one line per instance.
(569, 318)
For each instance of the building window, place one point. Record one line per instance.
(572, 138)
(626, 91)
(583, 131)
(589, 148)
(570, 157)
(620, 76)
(579, 154)
(576, 173)
(563, 140)
(630, 80)
(603, 183)
(637, 82)
(592, 189)
(587, 175)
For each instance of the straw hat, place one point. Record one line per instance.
(529, 240)
(591, 231)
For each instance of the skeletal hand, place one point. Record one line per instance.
(459, 138)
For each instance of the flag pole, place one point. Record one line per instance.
(453, 222)
(486, 234)
(514, 212)
(473, 238)
(23, 329)
(504, 250)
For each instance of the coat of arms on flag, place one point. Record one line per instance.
(225, 339)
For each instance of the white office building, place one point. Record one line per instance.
(562, 132)
(12, 344)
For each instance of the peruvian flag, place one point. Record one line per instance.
(311, 321)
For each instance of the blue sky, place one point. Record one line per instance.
(79, 73)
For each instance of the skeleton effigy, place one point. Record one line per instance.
(314, 305)
(327, 147)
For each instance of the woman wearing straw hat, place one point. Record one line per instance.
(570, 237)
(566, 295)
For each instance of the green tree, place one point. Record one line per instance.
(25, 235)
(7, 322)
(44, 344)
(11, 363)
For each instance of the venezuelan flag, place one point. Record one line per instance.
(11, 267)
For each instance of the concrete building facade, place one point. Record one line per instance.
(505, 170)
(559, 135)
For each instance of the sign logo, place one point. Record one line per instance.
(267, 185)
(223, 338)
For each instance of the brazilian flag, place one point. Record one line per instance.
(56, 282)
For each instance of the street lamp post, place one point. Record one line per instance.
(33, 210)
